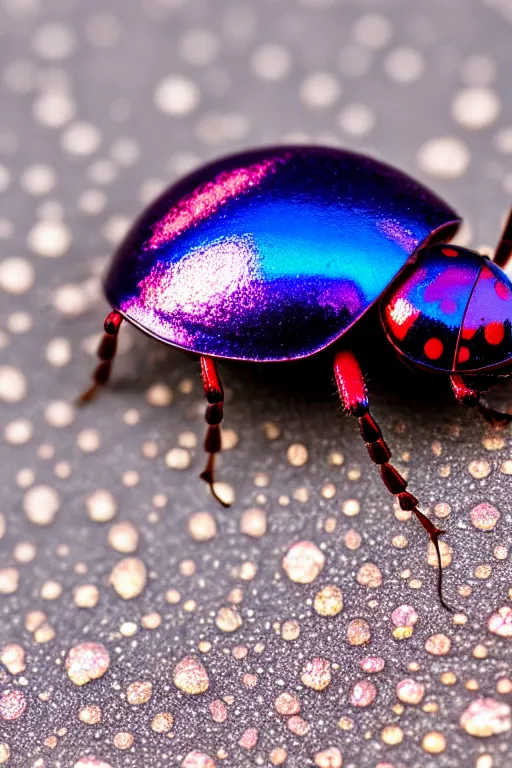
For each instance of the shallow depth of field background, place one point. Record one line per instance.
(198, 617)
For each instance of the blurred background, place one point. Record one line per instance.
(210, 639)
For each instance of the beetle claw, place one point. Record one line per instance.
(434, 538)
(87, 397)
(494, 418)
(207, 476)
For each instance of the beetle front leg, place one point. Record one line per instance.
(214, 394)
(106, 353)
(354, 396)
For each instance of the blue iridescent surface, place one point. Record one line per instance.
(424, 313)
(486, 334)
(271, 254)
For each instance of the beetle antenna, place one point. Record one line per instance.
(504, 248)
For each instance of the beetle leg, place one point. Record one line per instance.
(503, 250)
(471, 398)
(354, 396)
(214, 394)
(106, 353)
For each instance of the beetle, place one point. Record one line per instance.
(273, 254)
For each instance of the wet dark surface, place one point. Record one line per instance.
(88, 136)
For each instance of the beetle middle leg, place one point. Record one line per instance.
(214, 393)
(106, 353)
(354, 396)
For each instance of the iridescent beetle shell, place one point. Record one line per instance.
(272, 254)
(486, 334)
(452, 312)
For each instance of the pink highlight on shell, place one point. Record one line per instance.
(178, 297)
(341, 297)
(439, 288)
(395, 231)
(209, 197)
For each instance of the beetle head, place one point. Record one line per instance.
(485, 340)
(451, 311)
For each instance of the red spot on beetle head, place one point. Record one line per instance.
(494, 333)
(433, 348)
(468, 333)
(502, 290)
(450, 252)
(463, 355)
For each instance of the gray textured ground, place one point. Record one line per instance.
(88, 134)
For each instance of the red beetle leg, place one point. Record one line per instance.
(214, 394)
(106, 353)
(471, 398)
(353, 394)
